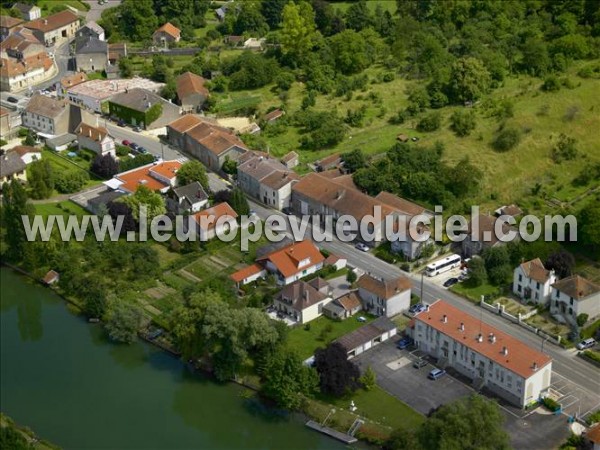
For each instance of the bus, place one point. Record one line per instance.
(448, 263)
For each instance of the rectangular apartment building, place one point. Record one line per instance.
(491, 358)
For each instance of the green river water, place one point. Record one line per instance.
(60, 377)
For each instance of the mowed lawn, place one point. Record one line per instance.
(66, 208)
(320, 332)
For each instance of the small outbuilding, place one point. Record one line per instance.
(51, 277)
(368, 336)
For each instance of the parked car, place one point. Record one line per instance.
(450, 282)
(121, 123)
(134, 146)
(404, 342)
(361, 318)
(362, 247)
(137, 129)
(142, 150)
(287, 210)
(12, 100)
(419, 363)
(436, 373)
(417, 308)
(586, 343)
(126, 143)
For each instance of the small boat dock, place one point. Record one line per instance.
(345, 438)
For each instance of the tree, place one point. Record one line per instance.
(589, 224)
(358, 16)
(229, 166)
(298, 30)
(354, 160)
(337, 374)
(477, 272)
(250, 70)
(369, 379)
(286, 380)
(40, 178)
(153, 201)
(565, 149)
(138, 19)
(239, 202)
(497, 264)
(402, 439)
(462, 122)
(506, 139)
(562, 262)
(471, 423)
(272, 11)
(70, 181)
(551, 84)
(105, 166)
(351, 277)
(582, 319)
(250, 19)
(192, 171)
(14, 206)
(116, 209)
(464, 178)
(123, 321)
(29, 139)
(430, 122)
(126, 67)
(126, 164)
(469, 80)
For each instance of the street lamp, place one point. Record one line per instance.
(543, 342)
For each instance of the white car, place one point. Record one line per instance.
(586, 343)
(362, 247)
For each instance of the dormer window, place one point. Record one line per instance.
(304, 262)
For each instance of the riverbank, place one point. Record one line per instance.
(15, 436)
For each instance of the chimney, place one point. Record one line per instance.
(479, 337)
(535, 366)
(427, 308)
(492, 338)
(306, 295)
(90, 132)
(505, 351)
(45, 22)
(462, 326)
(445, 318)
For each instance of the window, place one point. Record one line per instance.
(519, 288)
(537, 285)
(571, 301)
(570, 310)
(520, 277)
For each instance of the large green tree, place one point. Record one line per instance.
(473, 423)
(155, 205)
(298, 30)
(14, 206)
(192, 171)
(469, 80)
(138, 19)
(286, 380)
(123, 321)
(41, 179)
(589, 227)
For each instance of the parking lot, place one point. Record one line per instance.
(440, 279)
(396, 375)
(575, 401)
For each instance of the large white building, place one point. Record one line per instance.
(491, 358)
(384, 297)
(532, 281)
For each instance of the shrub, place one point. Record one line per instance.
(430, 122)
(565, 149)
(462, 122)
(506, 139)
(71, 181)
(582, 319)
(551, 404)
(551, 84)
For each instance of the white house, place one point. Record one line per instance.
(96, 139)
(573, 296)
(216, 220)
(384, 297)
(293, 262)
(532, 281)
(189, 198)
(28, 154)
(491, 358)
(28, 11)
(303, 301)
(47, 115)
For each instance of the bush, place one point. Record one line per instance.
(582, 319)
(506, 139)
(551, 84)
(71, 181)
(462, 122)
(565, 149)
(430, 122)
(121, 150)
(551, 404)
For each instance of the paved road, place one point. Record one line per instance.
(96, 10)
(566, 363)
(150, 143)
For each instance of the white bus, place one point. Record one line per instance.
(437, 267)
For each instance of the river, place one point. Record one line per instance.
(62, 378)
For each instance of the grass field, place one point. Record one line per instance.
(66, 208)
(385, 5)
(47, 5)
(474, 293)
(321, 332)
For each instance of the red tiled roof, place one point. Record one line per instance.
(520, 358)
(167, 169)
(189, 83)
(246, 272)
(400, 204)
(185, 123)
(216, 212)
(287, 260)
(535, 270)
(577, 287)
(12, 67)
(53, 22)
(593, 434)
(24, 149)
(170, 29)
(141, 176)
(9, 22)
(73, 80)
(349, 301)
(275, 114)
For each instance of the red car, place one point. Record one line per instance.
(126, 143)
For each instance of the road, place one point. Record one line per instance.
(565, 362)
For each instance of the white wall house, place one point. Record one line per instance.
(96, 139)
(573, 296)
(302, 301)
(384, 297)
(293, 262)
(213, 221)
(491, 358)
(532, 281)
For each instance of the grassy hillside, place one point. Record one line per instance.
(510, 176)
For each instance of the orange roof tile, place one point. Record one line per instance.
(170, 29)
(535, 270)
(142, 177)
(189, 83)
(246, 272)
(593, 433)
(384, 288)
(520, 358)
(577, 287)
(216, 212)
(12, 67)
(167, 169)
(185, 123)
(287, 260)
(9, 22)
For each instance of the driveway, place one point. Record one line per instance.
(95, 12)
(396, 375)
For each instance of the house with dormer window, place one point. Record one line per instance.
(575, 295)
(303, 301)
(384, 297)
